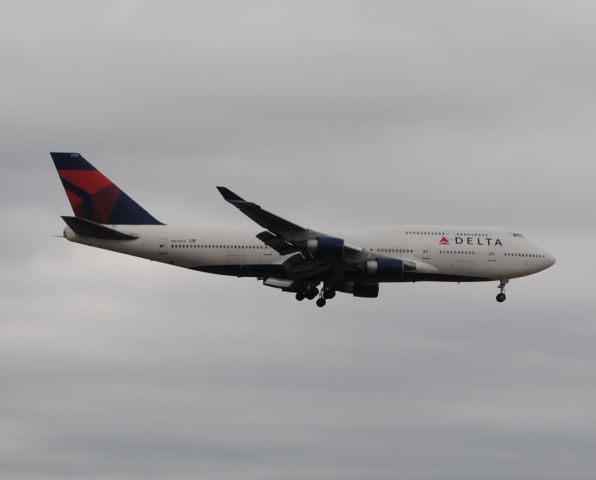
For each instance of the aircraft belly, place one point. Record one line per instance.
(247, 270)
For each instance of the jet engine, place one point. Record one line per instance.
(326, 246)
(385, 267)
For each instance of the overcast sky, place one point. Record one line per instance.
(332, 114)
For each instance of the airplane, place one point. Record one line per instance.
(287, 256)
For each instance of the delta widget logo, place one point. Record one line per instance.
(443, 241)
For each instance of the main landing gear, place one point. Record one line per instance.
(501, 296)
(311, 293)
(327, 293)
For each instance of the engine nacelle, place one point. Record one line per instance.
(326, 246)
(361, 289)
(385, 267)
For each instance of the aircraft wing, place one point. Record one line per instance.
(286, 237)
(264, 218)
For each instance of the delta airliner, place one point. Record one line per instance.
(290, 257)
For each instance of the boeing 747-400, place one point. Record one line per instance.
(291, 257)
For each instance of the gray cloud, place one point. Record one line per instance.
(332, 114)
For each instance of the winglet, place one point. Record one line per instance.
(228, 195)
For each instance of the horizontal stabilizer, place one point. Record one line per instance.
(87, 228)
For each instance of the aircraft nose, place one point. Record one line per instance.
(549, 260)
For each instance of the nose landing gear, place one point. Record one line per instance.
(501, 296)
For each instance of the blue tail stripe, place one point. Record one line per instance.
(128, 212)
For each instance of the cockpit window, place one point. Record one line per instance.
(518, 235)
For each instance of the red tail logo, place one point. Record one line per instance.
(94, 197)
(443, 241)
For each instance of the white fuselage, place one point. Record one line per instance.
(442, 253)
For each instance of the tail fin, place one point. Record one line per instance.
(94, 197)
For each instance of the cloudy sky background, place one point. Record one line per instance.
(331, 114)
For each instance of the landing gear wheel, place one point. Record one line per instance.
(300, 296)
(312, 293)
(501, 296)
(328, 293)
(321, 302)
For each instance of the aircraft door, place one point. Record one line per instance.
(450, 234)
(492, 254)
(162, 244)
(425, 252)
